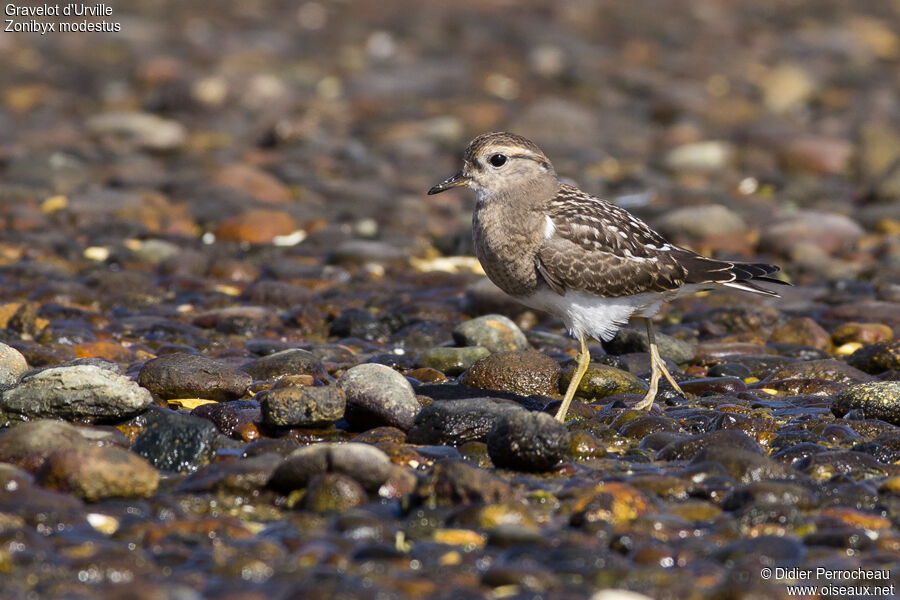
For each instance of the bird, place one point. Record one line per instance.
(587, 261)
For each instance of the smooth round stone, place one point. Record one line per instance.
(824, 466)
(302, 406)
(232, 476)
(745, 465)
(455, 422)
(804, 332)
(830, 232)
(523, 372)
(722, 438)
(494, 332)
(293, 361)
(729, 370)
(193, 376)
(29, 444)
(713, 385)
(12, 366)
(97, 472)
(453, 482)
(643, 426)
(771, 492)
(451, 361)
(877, 400)
(144, 130)
(176, 442)
(528, 441)
(601, 380)
(877, 358)
(828, 368)
(84, 393)
(376, 396)
(366, 464)
(333, 492)
(636, 340)
(584, 446)
(863, 333)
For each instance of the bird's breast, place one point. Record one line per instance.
(506, 244)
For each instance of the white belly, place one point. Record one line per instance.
(586, 314)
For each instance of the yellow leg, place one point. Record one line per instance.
(657, 368)
(584, 359)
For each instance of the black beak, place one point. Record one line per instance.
(451, 182)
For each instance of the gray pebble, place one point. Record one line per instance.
(177, 442)
(84, 393)
(377, 395)
(495, 332)
(12, 366)
(293, 361)
(455, 422)
(366, 464)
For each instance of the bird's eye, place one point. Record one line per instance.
(497, 160)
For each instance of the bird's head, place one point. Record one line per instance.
(500, 162)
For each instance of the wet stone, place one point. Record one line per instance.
(176, 442)
(802, 331)
(97, 472)
(302, 406)
(725, 438)
(361, 324)
(333, 492)
(713, 385)
(451, 361)
(494, 332)
(236, 419)
(745, 465)
(84, 393)
(524, 372)
(455, 482)
(193, 376)
(877, 358)
(233, 476)
(877, 400)
(601, 380)
(376, 396)
(455, 422)
(636, 340)
(829, 369)
(364, 463)
(293, 361)
(29, 444)
(863, 333)
(528, 441)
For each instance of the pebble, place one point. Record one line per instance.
(94, 473)
(180, 375)
(522, 372)
(378, 396)
(528, 441)
(293, 361)
(451, 361)
(28, 445)
(144, 130)
(601, 380)
(877, 358)
(83, 393)
(698, 222)
(455, 422)
(455, 482)
(863, 333)
(710, 155)
(12, 366)
(302, 406)
(333, 493)
(365, 464)
(176, 442)
(829, 369)
(831, 233)
(803, 331)
(245, 475)
(256, 226)
(494, 332)
(877, 400)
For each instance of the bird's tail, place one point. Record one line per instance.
(738, 275)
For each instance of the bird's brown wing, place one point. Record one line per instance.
(599, 248)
